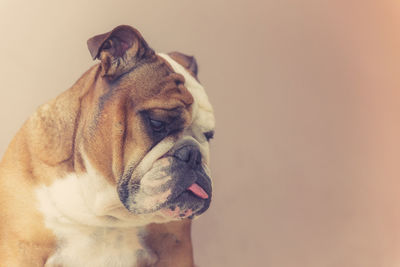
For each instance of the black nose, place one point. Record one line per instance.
(190, 155)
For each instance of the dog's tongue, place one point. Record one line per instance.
(198, 191)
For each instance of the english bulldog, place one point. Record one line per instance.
(112, 171)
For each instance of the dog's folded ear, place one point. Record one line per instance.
(119, 50)
(189, 62)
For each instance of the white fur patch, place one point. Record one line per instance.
(98, 247)
(203, 114)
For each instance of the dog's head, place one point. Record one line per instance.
(152, 124)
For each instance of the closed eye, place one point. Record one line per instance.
(157, 126)
(209, 135)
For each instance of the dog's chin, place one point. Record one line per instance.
(185, 205)
(189, 203)
(170, 189)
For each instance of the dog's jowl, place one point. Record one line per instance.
(113, 170)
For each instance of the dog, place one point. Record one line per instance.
(113, 170)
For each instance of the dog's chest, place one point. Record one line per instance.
(86, 234)
(98, 247)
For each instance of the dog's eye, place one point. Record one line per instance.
(209, 135)
(157, 126)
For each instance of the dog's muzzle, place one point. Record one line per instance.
(177, 183)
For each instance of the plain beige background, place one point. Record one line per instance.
(306, 94)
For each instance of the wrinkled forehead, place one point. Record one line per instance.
(202, 111)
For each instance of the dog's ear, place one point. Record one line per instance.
(189, 62)
(119, 50)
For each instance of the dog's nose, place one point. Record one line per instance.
(190, 155)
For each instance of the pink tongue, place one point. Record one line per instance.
(198, 191)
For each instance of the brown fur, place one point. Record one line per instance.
(100, 115)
